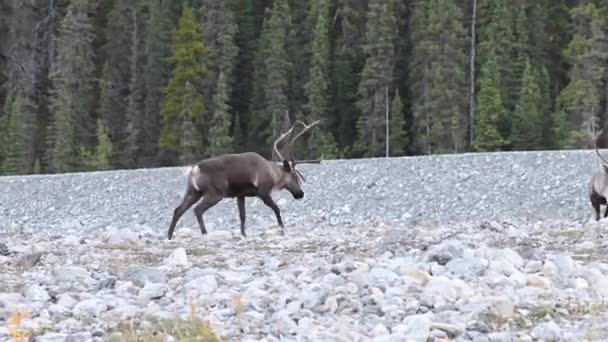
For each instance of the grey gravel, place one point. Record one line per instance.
(486, 247)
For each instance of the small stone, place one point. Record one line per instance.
(203, 285)
(122, 235)
(66, 301)
(539, 281)
(473, 266)
(92, 308)
(28, 261)
(565, 265)
(382, 274)
(415, 328)
(139, 275)
(71, 274)
(106, 283)
(550, 270)
(580, 283)
(450, 329)
(121, 313)
(503, 306)
(547, 331)
(414, 272)
(284, 323)
(177, 258)
(151, 291)
(445, 251)
(37, 293)
(4, 251)
(511, 256)
(380, 330)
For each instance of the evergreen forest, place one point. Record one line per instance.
(120, 84)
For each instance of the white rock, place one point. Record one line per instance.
(66, 301)
(415, 328)
(71, 240)
(565, 265)
(151, 291)
(57, 310)
(284, 323)
(71, 274)
(140, 275)
(177, 258)
(92, 308)
(503, 306)
(547, 331)
(380, 330)
(511, 257)
(550, 270)
(37, 293)
(122, 235)
(382, 274)
(449, 289)
(121, 313)
(218, 235)
(203, 285)
(580, 283)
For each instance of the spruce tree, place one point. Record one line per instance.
(242, 87)
(526, 133)
(14, 139)
(397, 133)
(376, 77)
(156, 75)
(218, 29)
(438, 78)
(259, 123)
(183, 104)
(220, 140)
(320, 141)
(579, 102)
(490, 107)
(278, 67)
(346, 64)
(99, 159)
(72, 89)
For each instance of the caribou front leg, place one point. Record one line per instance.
(241, 204)
(190, 198)
(208, 201)
(277, 212)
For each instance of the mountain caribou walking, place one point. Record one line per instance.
(242, 175)
(598, 183)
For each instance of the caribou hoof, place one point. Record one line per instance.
(281, 232)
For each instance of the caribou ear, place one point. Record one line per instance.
(286, 166)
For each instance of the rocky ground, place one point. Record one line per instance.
(452, 248)
(494, 281)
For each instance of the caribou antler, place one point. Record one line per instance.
(595, 136)
(306, 128)
(279, 139)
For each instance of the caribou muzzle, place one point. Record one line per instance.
(298, 194)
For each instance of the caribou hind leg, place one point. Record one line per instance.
(241, 204)
(596, 202)
(191, 197)
(277, 212)
(208, 201)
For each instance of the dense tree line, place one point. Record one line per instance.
(93, 85)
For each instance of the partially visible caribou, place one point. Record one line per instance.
(242, 175)
(598, 184)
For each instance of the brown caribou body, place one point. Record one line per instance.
(598, 184)
(240, 175)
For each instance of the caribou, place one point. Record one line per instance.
(242, 175)
(598, 183)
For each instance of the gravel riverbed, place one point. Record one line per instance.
(486, 247)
